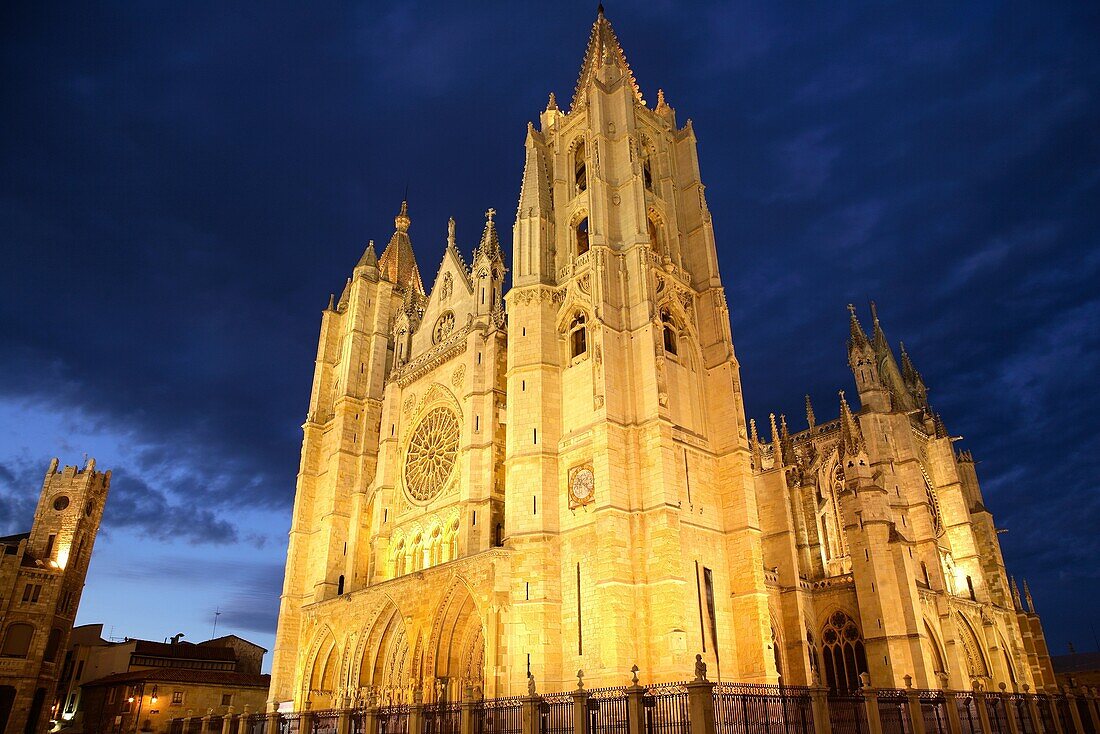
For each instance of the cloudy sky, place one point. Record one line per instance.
(183, 184)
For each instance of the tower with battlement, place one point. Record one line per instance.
(42, 576)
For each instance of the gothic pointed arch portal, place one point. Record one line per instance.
(456, 649)
(320, 685)
(385, 665)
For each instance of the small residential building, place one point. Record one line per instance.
(91, 660)
(147, 700)
(41, 579)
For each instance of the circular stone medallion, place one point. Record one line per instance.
(430, 457)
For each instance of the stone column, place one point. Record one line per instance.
(370, 718)
(305, 721)
(206, 721)
(819, 703)
(343, 718)
(916, 714)
(227, 721)
(870, 704)
(951, 704)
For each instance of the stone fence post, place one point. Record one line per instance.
(983, 712)
(305, 720)
(227, 721)
(635, 710)
(912, 700)
(531, 705)
(466, 712)
(580, 706)
(370, 716)
(870, 704)
(273, 719)
(701, 700)
(1089, 694)
(416, 712)
(1008, 705)
(819, 703)
(1074, 713)
(343, 715)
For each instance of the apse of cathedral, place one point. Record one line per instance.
(561, 477)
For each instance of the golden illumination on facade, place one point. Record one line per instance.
(563, 477)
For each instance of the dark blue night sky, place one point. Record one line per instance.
(183, 184)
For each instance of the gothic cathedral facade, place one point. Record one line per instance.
(562, 478)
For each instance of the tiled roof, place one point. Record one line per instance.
(184, 650)
(186, 675)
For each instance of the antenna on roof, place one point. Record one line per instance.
(217, 613)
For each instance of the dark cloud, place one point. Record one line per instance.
(182, 186)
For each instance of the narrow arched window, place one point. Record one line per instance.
(578, 336)
(340, 586)
(580, 167)
(17, 640)
(843, 654)
(399, 560)
(671, 339)
(581, 234)
(647, 172)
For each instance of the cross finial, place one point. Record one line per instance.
(490, 213)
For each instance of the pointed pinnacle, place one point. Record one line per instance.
(811, 419)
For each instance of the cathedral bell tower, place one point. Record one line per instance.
(627, 467)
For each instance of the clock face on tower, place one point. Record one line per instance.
(582, 486)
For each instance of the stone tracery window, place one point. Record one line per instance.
(669, 331)
(843, 653)
(432, 452)
(447, 287)
(444, 325)
(581, 234)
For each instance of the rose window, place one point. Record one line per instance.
(431, 455)
(443, 327)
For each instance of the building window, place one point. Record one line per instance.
(670, 338)
(647, 172)
(227, 699)
(111, 692)
(79, 669)
(31, 592)
(53, 646)
(340, 586)
(177, 698)
(580, 168)
(17, 640)
(49, 545)
(71, 705)
(581, 233)
(843, 652)
(578, 336)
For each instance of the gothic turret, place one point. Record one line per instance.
(488, 268)
(889, 373)
(861, 358)
(913, 380)
(398, 263)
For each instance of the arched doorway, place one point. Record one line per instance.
(385, 665)
(321, 683)
(457, 647)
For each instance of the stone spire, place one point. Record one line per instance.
(489, 246)
(857, 338)
(603, 57)
(777, 445)
(754, 444)
(398, 263)
(913, 379)
(811, 419)
(851, 437)
(345, 296)
(1028, 599)
(889, 372)
(369, 258)
(1015, 593)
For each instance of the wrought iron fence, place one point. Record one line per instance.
(998, 714)
(1085, 715)
(608, 712)
(393, 719)
(257, 724)
(498, 716)
(933, 707)
(968, 714)
(893, 711)
(666, 709)
(194, 726)
(1061, 710)
(175, 726)
(1017, 706)
(847, 713)
(744, 708)
(442, 718)
(556, 714)
(324, 721)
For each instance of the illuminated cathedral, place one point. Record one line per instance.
(560, 475)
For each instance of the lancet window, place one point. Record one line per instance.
(580, 233)
(580, 168)
(670, 334)
(842, 652)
